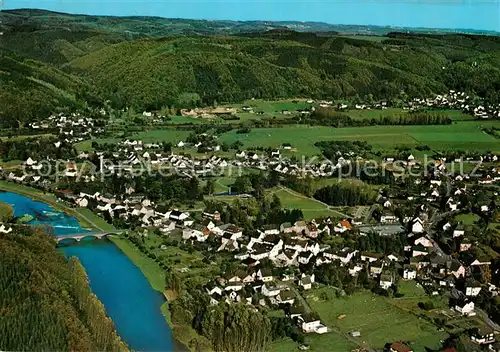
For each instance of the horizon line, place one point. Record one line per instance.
(437, 29)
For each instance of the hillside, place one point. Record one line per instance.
(45, 302)
(132, 62)
(150, 73)
(30, 89)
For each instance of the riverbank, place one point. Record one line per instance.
(156, 277)
(85, 217)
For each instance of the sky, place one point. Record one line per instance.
(463, 14)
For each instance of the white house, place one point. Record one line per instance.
(285, 297)
(311, 323)
(409, 273)
(386, 281)
(466, 309)
(178, 215)
(270, 290)
(458, 232)
(483, 336)
(417, 226)
(5, 229)
(30, 162)
(306, 281)
(472, 288)
(234, 286)
(82, 202)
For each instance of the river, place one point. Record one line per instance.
(129, 299)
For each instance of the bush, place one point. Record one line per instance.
(426, 305)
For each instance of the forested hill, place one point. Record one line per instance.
(45, 302)
(150, 73)
(130, 62)
(30, 89)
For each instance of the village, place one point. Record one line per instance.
(274, 266)
(277, 262)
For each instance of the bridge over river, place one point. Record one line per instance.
(79, 236)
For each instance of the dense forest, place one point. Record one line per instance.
(345, 194)
(45, 301)
(31, 89)
(131, 64)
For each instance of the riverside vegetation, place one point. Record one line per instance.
(45, 301)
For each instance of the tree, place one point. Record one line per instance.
(276, 203)
(233, 328)
(209, 187)
(242, 184)
(6, 212)
(173, 281)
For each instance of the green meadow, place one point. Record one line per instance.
(465, 135)
(377, 319)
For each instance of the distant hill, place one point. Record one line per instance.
(150, 62)
(150, 73)
(29, 89)
(159, 26)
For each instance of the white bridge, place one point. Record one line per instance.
(79, 236)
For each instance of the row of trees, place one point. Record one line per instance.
(330, 117)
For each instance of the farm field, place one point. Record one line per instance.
(378, 321)
(373, 113)
(465, 135)
(331, 341)
(311, 208)
(162, 135)
(274, 107)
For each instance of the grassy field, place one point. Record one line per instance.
(11, 164)
(464, 135)
(274, 107)
(100, 222)
(86, 146)
(331, 341)
(310, 208)
(21, 137)
(376, 318)
(467, 219)
(178, 258)
(165, 135)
